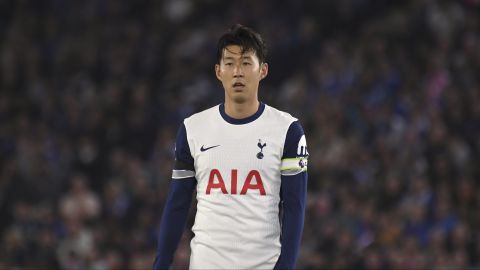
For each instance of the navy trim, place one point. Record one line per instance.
(242, 121)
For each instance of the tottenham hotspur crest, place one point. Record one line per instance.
(261, 146)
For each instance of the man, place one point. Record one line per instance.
(246, 161)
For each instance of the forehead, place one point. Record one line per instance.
(235, 51)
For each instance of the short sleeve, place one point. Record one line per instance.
(295, 154)
(184, 163)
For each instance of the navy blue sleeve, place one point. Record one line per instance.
(183, 157)
(291, 147)
(173, 220)
(178, 203)
(293, 193)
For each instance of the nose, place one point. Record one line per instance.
(238, 71)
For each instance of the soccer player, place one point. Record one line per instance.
(247, 162)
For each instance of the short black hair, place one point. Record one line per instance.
(246, 38)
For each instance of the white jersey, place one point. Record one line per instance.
(238, 169)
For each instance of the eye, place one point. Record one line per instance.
(246, 63)
(228, 64)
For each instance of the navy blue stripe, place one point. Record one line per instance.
(242, 121)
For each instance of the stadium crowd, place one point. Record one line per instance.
(92, 93)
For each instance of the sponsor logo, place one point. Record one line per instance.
(302, 147)
(203, 148)
(252, 183)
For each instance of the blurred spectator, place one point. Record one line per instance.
(74, 249)
(80, 203)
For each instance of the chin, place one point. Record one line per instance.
(239, 99)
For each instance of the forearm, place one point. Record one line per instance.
(173, 220)
(294, 196)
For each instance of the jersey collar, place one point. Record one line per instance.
(241, 121)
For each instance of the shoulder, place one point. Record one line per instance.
(201, 117)
(279, 116)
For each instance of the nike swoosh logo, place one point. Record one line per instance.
(203, 149)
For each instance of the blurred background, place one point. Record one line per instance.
(92, 93)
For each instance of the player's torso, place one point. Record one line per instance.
(238, 172)
(242, 160)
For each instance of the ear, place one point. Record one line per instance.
(217, 72)
(263, 70)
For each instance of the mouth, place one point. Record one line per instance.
(238, 86)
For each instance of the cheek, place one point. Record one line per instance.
(257, 75)
(224, 74)
(221, 75)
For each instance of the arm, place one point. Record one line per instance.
(173, 221)
(178, 202)
(293, 193)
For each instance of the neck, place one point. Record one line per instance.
(241, 110)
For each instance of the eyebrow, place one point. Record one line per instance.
(249, 57)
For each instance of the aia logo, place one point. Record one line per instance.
(253, 181)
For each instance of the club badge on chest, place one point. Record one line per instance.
(261, 146)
